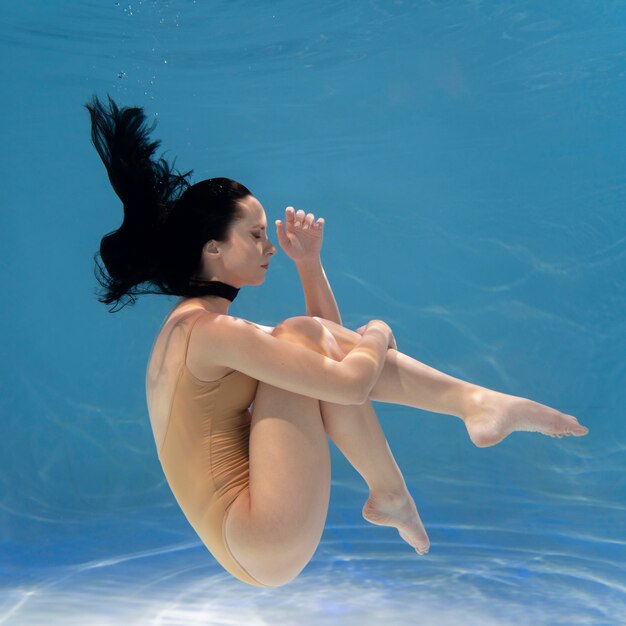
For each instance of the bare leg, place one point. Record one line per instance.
(356, 431)
(489, 416)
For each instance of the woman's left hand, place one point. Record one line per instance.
(392, 339)
(300, 236)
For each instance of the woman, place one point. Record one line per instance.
(240, 411)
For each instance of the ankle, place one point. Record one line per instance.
(473, 401)
(395, 497)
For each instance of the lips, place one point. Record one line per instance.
(266, 266)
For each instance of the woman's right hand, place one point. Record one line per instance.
(392, 339)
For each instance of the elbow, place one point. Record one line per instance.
(358, 392)
(363, 395)
(354, 389)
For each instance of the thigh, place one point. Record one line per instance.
(274, 527)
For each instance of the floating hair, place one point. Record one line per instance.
(148, 190)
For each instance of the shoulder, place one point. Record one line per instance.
(191, 313)
(207, 334)
(210, 322)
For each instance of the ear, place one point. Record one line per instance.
(210, 247)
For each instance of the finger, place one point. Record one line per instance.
(320, 223)
(308, 221)
(294, 218)
(299, 217)
(292, 223)
(280, 232)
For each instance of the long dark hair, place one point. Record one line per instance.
(167, 220)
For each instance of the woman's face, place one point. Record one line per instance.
(240, 258)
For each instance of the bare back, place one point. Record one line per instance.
(167, 358)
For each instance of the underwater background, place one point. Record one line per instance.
(468, 160)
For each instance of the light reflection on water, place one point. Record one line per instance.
(479, 575)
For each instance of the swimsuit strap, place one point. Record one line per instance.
(188, 337)
(183, 368)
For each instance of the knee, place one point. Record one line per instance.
(310, 332)
(299, 324)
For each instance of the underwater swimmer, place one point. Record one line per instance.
(241, 412)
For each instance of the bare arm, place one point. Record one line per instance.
(367, 358)
(235, 343)
(319, 297)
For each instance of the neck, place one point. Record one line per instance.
(215, 293)
(214, 304)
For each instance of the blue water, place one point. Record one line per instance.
(468, 159)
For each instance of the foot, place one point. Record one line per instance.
(398, 511)
(496, 415)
